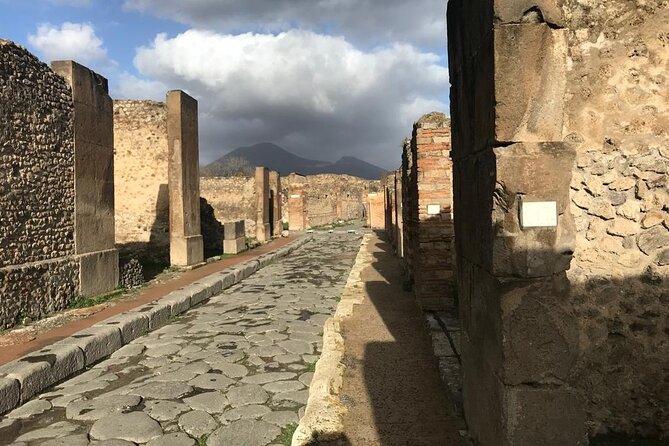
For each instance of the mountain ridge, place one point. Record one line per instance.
(281, 160)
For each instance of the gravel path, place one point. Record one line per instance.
(234, 371)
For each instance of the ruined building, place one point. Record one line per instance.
(56, 185)
(560, 157)
(157, 178)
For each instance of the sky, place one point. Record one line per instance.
(321, 78)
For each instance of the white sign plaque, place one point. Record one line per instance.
(538, 214)
(433, 209)
(295, 196)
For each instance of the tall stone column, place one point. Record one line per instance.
(513, 227)
(93, 178)
(275, 187)
(399, 214)
(297, 206)
(186, 246)
(263, 233)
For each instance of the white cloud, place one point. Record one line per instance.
(420, 22)
(319, 95)
(131, 87)
(76, 41)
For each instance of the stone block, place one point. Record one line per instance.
(179, 302)
(263, 233)
(33, 377)
(64, 360)
(530, 82)
(234, 230)
(10, 394)
(227, 279)
(532, 252)
(550, 417)
(96, 342)
(517, 11)
(98, 272)
(132, 325)
(234, 246)
(157, 313)
(198, 293)
(186, 245)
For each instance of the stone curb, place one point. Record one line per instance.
(25, 377)
(323, 415)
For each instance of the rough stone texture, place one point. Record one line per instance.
(375, 210)
(140, 178)
(330, 197)
(131, 274)
(213, 232)
(263, 226)
(570, 111)
(38, 273)
(235, 239)
(186, 247)
(233, 199)
(93, 178)
(431, 232)
(297, 204)
(276, 205)
(134, 426)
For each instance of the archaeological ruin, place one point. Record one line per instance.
(157, 179)
(56, 186)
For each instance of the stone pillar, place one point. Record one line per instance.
(513, 226)
(234, 237)
(275, 187)
(399, 211)
(263, 233)
(407, 207)
(376, 214)
(432, 214)
(297, 207)
(186, 246)
(93, 178)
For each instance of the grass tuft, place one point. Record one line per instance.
(286, 435)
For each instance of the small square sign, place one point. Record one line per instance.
(538, 214)
(433, 209)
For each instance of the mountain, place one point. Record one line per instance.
(269, 155)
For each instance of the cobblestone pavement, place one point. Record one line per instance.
(234, 371)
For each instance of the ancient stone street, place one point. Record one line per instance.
(234, 371)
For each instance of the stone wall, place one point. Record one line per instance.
(38, 271)
(276, 217)
(263, 205)
(330, 197)
(233, 199)
(375, 205)
(297, 202)
(564, 324)
(141, 177)
(156, 170)
(432, 213)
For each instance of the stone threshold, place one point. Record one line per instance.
(324, 412)
(29, 375)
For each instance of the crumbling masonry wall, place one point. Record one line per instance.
(297, 204)
(564, 324)
(233, 199)
(38, 271)
(156, 179)
(431, 213)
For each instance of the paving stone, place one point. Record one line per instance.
(163, 350)
(198, 367)
(244, 432)
(231, 370)
(112, 443)
(162, 390)
(287, 359)
(297, 347)
(281, 418)
(267, 352)
(161, 410)
(253, 411)
(308, 337)
(265, 378)
(310, 359)
(306, 378)
(174, 439)
(55, 430)
(63, 401)
(179, 376)
(246, 395)
(29, 409)
(197, 423)
(71, 440)
(211, 381)
(100, 407)
(137, 427)
(298, 397)
(283, 386)
(128, 351)
(211, 402)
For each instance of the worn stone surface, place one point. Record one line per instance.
(246, 432)
(38, 273)
(207, 374)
